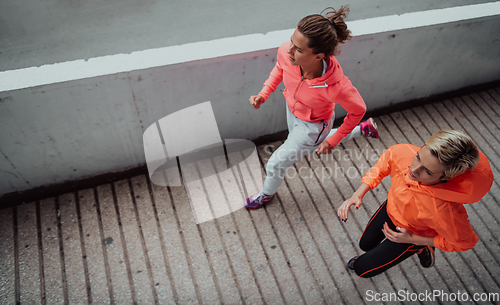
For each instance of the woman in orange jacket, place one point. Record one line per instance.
(314, 83)
(424, 207)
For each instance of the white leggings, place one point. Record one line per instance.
(303, 139)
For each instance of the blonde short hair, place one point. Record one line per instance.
(455, 150)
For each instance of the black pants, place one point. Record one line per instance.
(381, 254)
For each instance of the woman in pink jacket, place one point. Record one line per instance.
(314, 83)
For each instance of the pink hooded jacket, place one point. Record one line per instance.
(313, 100)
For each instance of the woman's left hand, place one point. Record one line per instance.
(403, 236)
(324, 148)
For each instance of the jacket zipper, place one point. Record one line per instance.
(320, 133)
(325, 85)
(297, 90)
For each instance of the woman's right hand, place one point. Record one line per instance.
(343, 211)
(256, 101)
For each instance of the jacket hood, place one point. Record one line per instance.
(469, 187)
(333, 74)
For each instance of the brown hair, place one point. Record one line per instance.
(325, 32)
(455, 150)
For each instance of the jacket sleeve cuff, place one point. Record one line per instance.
(335, 139)
(441, 243)
(370, 182)
(265, 92)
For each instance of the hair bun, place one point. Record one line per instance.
(326, 31)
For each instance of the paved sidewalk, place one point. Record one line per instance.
(134, 242)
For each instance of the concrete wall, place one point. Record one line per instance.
(54, 131)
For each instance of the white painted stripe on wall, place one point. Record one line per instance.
(112, 64)
(424, 18)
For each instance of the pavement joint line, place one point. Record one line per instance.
(234, 223)
(61, 251)
(329, 267)
(143, 241)
(261, 241)
(123, 243)
(301, 248)
(82, 245)
(316, 206)
(40, 250)
(325, 222)
(161, 239)
(104, 251)
(296, 238)
(183, 243)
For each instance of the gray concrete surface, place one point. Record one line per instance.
(74, 128)
(132, 242)
(34, 33)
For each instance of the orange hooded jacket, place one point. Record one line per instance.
(313, 100)
(437, 210)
